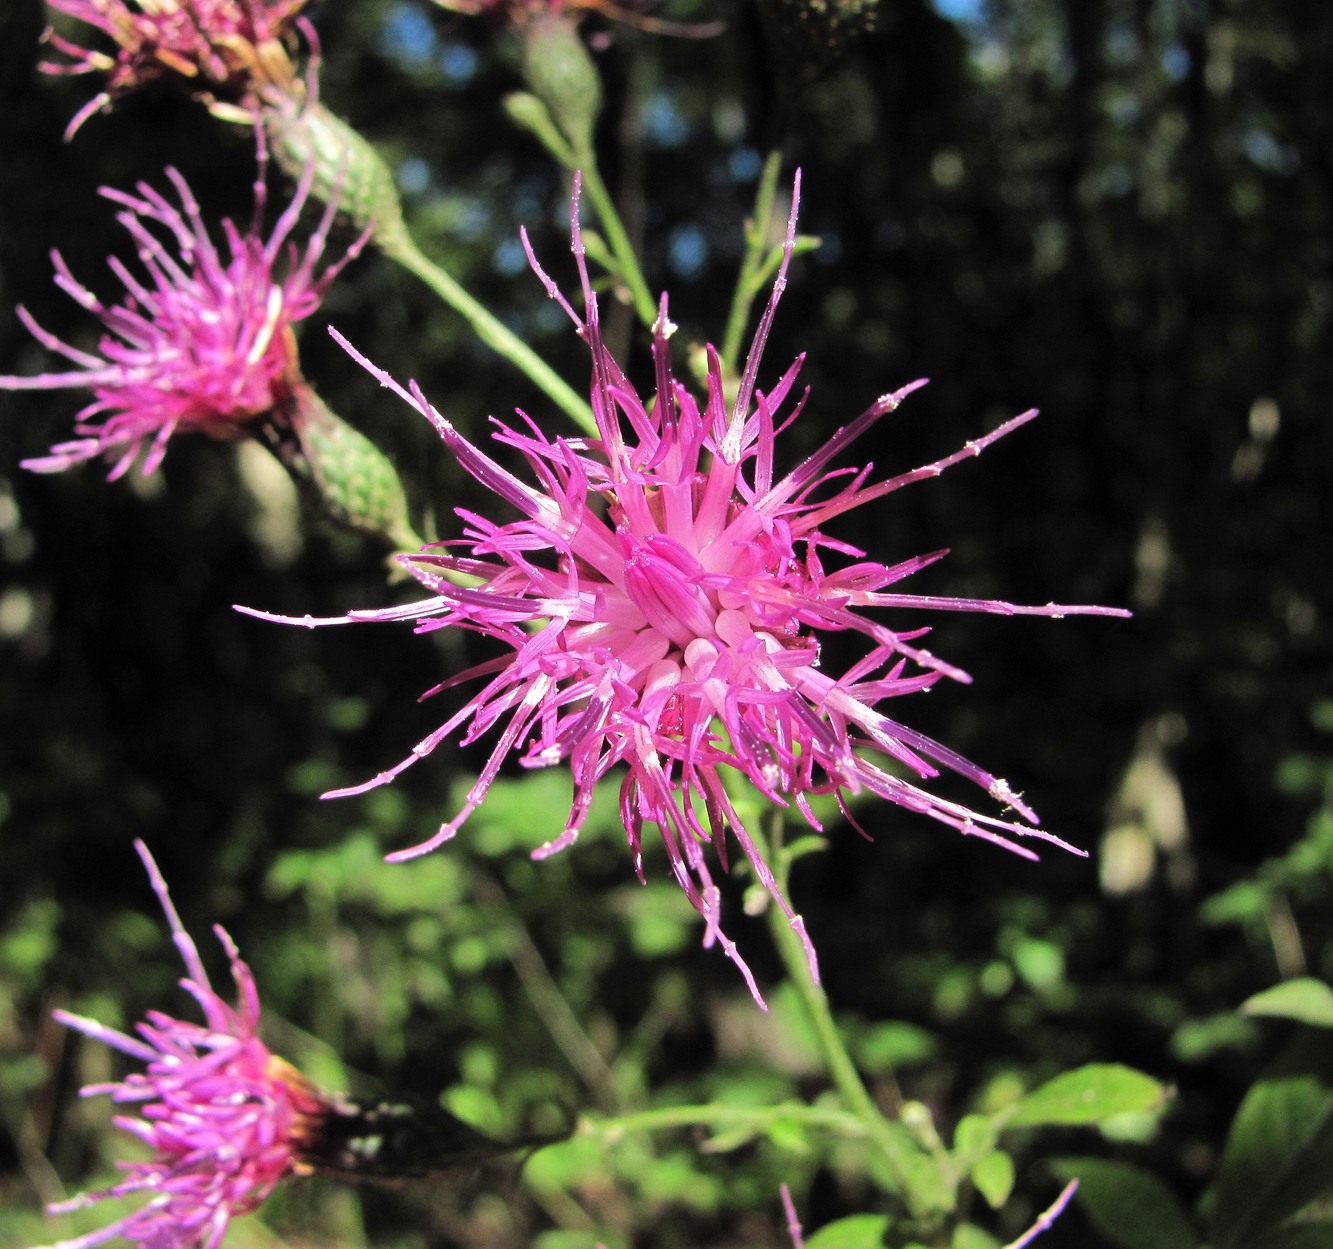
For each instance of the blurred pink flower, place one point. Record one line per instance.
(664, 592)
(225, 1118)
(225, 50)
(203, 343)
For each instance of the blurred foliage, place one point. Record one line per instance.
(1119, 211)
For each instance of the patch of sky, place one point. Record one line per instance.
(744, 164)
(688, 250)
(1266, 152)
(408, 36)
(1125, 110)
(473, 218)
(1176, 62)
(829, 251)
(458, 63)
(413, 176)
(961, 10)
(549, 317)
(663, 123)
(1116, 181)
(1122, 43)
(509, 258)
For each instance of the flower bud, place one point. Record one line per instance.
(562, 76)
(346, 167)
(352, 480)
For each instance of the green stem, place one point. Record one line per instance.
(903, 1156)
(626, 261)
(720, 1118)
(753, 263)
(493, 332)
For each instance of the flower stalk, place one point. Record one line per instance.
(907, 1163)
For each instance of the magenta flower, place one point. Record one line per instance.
(228, 51)
(664, 590)
(203, 343)
(224, 1117)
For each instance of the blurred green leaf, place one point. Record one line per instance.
(891, 1045)
(1129, 1206)
(1197, 1039)
(1087, 1095)
(1278, 1159)
(970, 1236)
(993, 1176)
(1304, 999)
(974, 1136)
(859, 1231)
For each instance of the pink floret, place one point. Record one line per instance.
(202, 343)
(224, 1118)
(664, 593)
(228, 49)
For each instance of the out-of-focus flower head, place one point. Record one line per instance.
(224, 1117)
(226, 51)
(664, 592)
(636, 13)
(203, 342)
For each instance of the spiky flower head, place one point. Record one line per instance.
(664, 592)
(224, 1118)
(228, 52)
(203, 342)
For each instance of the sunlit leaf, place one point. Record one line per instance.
(858, 1231)
(1304, 999)
(1088, 1095)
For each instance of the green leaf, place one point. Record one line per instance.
(993, 1176)
(1278, 1158)
(970, 1236)
(1088, 1095)
(1304, 999)
(858, 1231)
(1129, 1206)
(973, 1137)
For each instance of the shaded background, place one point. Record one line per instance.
(1118, 211)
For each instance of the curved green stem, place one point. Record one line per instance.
(753, 263)
(493, 332)
(621, 249)
(914, 1172)
(720, 1118)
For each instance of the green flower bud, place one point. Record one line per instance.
(342, 471)
(345, 164)
(562, 76)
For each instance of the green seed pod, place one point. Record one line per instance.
(342, 471)
(562, 76)
(345, 164)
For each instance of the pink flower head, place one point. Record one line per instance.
(202, 343)
(225, 50)
(224, 1117)
(518, 13)
(664, 590)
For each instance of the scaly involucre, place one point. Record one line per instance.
(202, 343)
(663, 594)
(225, 1118)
